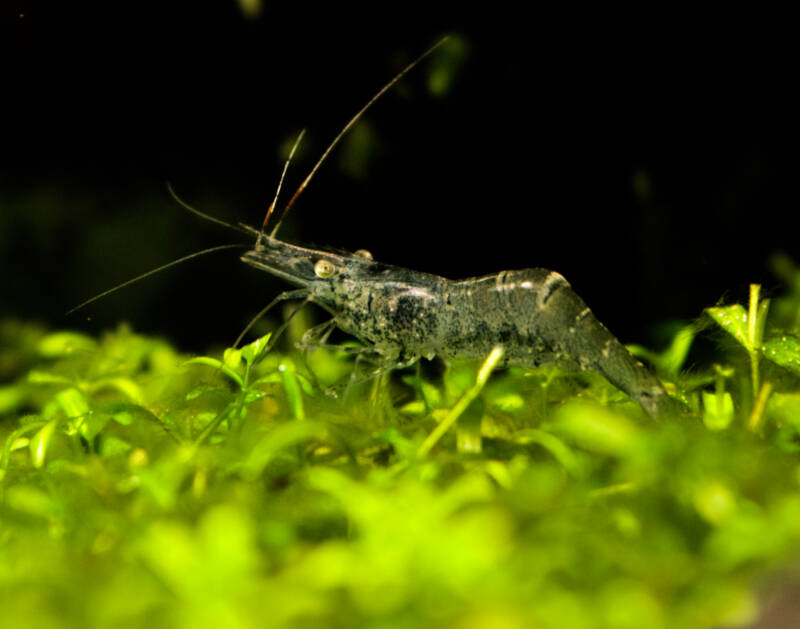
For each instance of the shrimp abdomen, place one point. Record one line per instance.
(537, 316)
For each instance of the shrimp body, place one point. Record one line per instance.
(404, 315)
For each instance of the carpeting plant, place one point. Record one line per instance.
(142, 488)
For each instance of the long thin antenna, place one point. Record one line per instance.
(152, 272)
(352, 121)
(280, 184)
(202, 215)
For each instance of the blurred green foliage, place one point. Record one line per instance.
(139, 488)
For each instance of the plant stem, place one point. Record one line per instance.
(470, 394)
(754, 423)
(752, 328)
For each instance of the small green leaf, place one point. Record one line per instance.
(597, 428)
(283, 436)
(45, 377)
(31, 500)
(329, 365)
(714, 501)
(670, 360)
(784, 351)
(126, 386)
(499, 472)
(11, 398)
(254, 396)
(417, 407)
(757, 318)
(72, 402)
(732, 319)
(785, 408)
(202, 389)
(305, 384)
(270, 378)
(61, 344)
(125, 413)
(204, 360)
(561, 451)
(718, 407)
(91, 424)
(292, 387)
(277, 377)
(252, 352)
(507, 401)
(232, 357)
(18, 444)
(40, 442)
(405, 448)
(430, 395)
(125, 418)
(216, 364)
(17, 439)
(113, 446)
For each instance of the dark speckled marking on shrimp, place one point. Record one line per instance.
(404, 315)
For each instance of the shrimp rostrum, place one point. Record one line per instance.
(404, 315)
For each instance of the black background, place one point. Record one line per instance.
(531, 159)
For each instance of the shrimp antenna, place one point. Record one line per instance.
(272, 205)
(185, 258)
(352, 121)
(203, 215)
(153, 272)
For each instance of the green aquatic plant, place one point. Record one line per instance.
(139, 487)
(749, 328)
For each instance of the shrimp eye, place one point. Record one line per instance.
(363, 253)
(324, 268)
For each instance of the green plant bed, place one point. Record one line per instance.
(143, 488)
